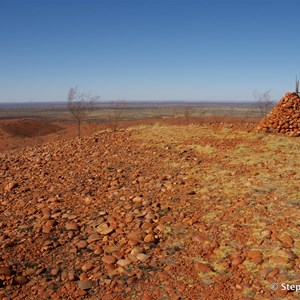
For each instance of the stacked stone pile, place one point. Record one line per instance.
(284, 118)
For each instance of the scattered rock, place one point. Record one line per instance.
(142, 257)
(93, 238)
(202, 268)
(278, 260)
(123, 262)
(109, 259)
(287, 241)
(87, 266)
(118, 254)
(82, 244)
(10, 186)
(72, 226)
(6, 271)
(236, 261)
(135, 236)
(88, 200)
(86, 284)
(149, 238)
(58, 238)
(104, 229)
(255, 256)
(266, 233)
(20, 280)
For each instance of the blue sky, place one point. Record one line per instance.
(148, 49)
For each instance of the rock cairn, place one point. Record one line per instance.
(284, 118)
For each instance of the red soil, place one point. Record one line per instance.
(20, 133)
(111, 216)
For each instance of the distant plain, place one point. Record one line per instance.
(34, 123)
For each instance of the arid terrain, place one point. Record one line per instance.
(181, 208)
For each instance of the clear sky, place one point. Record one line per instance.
(148, 49)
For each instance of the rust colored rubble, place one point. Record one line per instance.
(284, 118)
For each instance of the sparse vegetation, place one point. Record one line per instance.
(231, 161)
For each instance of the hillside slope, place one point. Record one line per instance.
(150, 213)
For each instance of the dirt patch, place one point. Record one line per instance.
(28, 127)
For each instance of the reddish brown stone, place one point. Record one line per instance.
(236, 261)
(6, 271)
(72, 226)
(202, 268)
(287, 241)
(86, 284)
(11, 186)
(82, 244)
(255, 256)
(20, 280)
(87, 266)
(109, 259)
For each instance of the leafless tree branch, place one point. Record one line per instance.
(263, 102)
(79, 105)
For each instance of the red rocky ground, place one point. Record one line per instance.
(120, 216)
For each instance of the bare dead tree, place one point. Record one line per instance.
(79, 105)
(263, 102)
(297, 86)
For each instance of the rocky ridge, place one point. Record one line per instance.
(110, 217)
